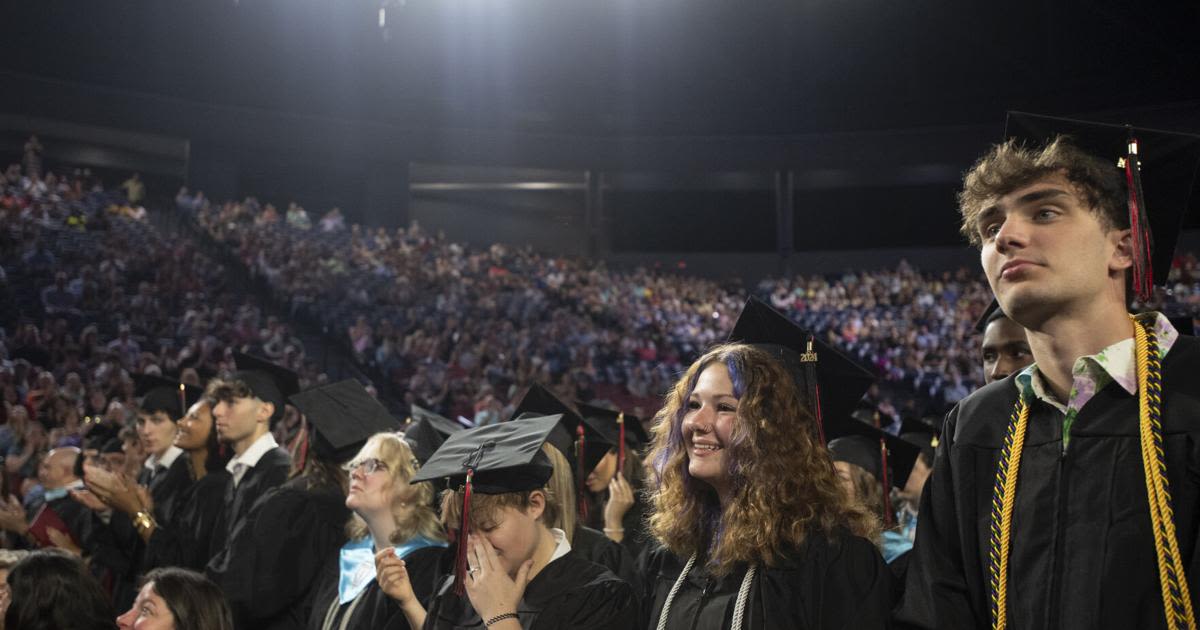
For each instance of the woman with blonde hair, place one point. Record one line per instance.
(755, 530)
(388, 512)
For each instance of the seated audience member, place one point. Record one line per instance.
(52, 590)
(177, 599)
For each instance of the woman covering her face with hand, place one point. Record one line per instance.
(511, 569)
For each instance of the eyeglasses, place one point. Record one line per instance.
(368, 466)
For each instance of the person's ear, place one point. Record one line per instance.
(537, 504)
(1122, 256)
(265, 411)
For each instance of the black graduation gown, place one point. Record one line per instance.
(829, 582)
(570, 593)
(374, 608)
(276, 554)
(594, 546)
(1082, 553)
(270, 472)
(189, 539)
(166, 487)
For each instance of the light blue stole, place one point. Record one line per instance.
(357, 563)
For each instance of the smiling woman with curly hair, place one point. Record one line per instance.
(755, 531)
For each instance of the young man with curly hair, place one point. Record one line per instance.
(1065, 495)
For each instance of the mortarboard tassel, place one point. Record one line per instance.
(460, 559)
(809, 359)
(1139, 224)
(460, 554)
(621, 445)
(889, 514)
(581, 477)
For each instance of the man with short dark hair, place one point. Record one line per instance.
(1064, 495)
(246, 407)
(1004, 347)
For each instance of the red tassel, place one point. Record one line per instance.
(1143, 267)
(460, 560)
(621, 446)
(581, 477)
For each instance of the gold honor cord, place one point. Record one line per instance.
(1177, 600)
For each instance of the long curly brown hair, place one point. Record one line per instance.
(783, 481)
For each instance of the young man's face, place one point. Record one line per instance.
(156, 431)
(1046, 252)
(239, 418)
(1005, 349)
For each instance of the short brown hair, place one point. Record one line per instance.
(1011, 165)
(484, 507)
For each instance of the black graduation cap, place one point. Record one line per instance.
(427, 432)
(162, 394)
(924, 433)
(839, 382)
(267, 381)
(901, 453)
(1160, 164)
(618, 428)
(981, 324)
(492, 459)
(584, 445)
(343, 416)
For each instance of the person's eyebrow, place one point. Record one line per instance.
(1028, 198)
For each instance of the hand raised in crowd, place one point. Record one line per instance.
(89, 500)
(116, 490)
(63, 541)
(620, 499)
(13, 517)
(392, 576)
(491, 591)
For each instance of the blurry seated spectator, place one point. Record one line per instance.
(333, 221)
(297, 217)
(58, 299)
(51, 589)
(135, 189)
(177, 599)
(125, 347)
(38, 258)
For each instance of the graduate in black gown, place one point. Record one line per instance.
(1093, 526)
(616, 495)
(275, 557)
(755, 529)
(511, 569)
(189, 539)
(391, 516)
(583, 447)
(869, 474)
(165, 471)
(163, 488)
(246, 407)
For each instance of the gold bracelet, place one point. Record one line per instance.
(143, 521)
